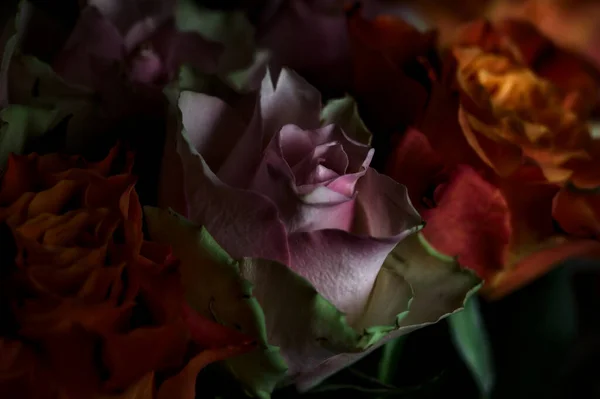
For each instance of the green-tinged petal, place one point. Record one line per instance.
(314, 337)
(214, 288)
(415, 288)
(471, 340)
(230, 28)
(20, 124)
(344, 112)
(34, 82)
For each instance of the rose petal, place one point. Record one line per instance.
(144, 388)
(437, 285)
(415, 164)
(471, 221)
(578, 213)
(211, 126)
(214, 289)
(337, 262)
(536, 265)
(323, 206)
(311, 37)
(249, 215)
(183, 385)
(288, 101)
(94, 40)
(383, 49)
(504, 157)
(130, 356)
(136, 20)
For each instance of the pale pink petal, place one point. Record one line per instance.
(290, 101)
(325, 162)
(212, 126)
(244, 223)
(146, 67)
(338, 262)
(307, 207)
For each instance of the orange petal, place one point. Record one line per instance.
(54, 199)
(183, 385)
(536, 265)
(502, 156)
(142, 389)
(578, 212)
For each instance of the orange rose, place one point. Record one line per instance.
(89, 308)
(515, 109)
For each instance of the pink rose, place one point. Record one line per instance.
(277, 180)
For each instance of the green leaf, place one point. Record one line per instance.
(470, 339)
(230, 28)
(344, 113)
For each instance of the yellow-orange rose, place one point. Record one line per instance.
(515, 109)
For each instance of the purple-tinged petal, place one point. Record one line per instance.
(291, 100)
(94, 43)
(310, 36)
(211, 125)
(338, 262)
(324, 163)
(245, 223)
(179, 48)
(299, 208)
(146, 67)
(385, 207)
(136, 20)
(435, 286)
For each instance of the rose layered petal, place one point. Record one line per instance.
(509, 113)
(315, 339)
(415, 164)
(244, 222)
(328, 205)
(471, 221)
(384, 56)
(103, 38)
(578, 212)
(348, 262)
(310, 37)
